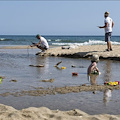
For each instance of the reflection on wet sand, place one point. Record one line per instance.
(93, 80)
(107, 74)
(107, 78)
(107, 96)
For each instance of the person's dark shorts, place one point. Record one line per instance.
(43, 46)
(108, 37)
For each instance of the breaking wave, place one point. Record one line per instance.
(90, 42)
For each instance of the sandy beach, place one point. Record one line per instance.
(43, 113)
(77, 51)
(86, 52)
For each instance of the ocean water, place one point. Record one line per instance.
(14, 65)
(57, 40)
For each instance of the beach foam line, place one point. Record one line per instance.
(90, 42)
(4, 39)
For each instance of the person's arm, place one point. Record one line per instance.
(39, 43)
(97, 69)
(106, 24)
(94, 67)
(33, 44)
(36, 44)
(112, 24)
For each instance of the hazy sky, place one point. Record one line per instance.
(57, 17)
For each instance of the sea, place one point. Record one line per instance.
(19, 75)
(57, 40)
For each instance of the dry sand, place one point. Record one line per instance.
(42, 113)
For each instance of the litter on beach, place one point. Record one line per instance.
(63, 67)
(112, 83)
(75, 74)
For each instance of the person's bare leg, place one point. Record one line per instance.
(110, 45)
(40, 48)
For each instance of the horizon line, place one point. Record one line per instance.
(48, 35)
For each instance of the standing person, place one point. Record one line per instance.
(42, 44)
(108, 30)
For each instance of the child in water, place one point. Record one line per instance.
(92, 69)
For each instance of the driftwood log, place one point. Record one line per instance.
(58, 63)
(36, 65)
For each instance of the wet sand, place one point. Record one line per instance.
(61, 90)
(9, 113)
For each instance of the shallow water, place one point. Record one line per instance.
(14, 65)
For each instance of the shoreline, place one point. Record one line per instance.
(77, 52)
(15, 47)
(85, 52)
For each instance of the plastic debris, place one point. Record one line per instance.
(0, 80)
(75, 74)
(63, 67)
(95, 72)
(112, 83)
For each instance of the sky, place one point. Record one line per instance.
(57, 17)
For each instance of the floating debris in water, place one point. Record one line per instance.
(63, 67)
(58, 64)
(13, 81)
(75, 74)
(0, 80)
(112, 83)
(77, 66)
(36, 65)
(2, 77)
(73, 66)
(50, 80)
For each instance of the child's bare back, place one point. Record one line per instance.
(93, 66)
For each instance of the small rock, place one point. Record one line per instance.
(13, 80)
(50, 80)
(84, 85)
(73, 66)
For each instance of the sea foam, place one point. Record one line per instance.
(2, 39)
(90, 42)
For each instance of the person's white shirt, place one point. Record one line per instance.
(44, 42)
(109, 27)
